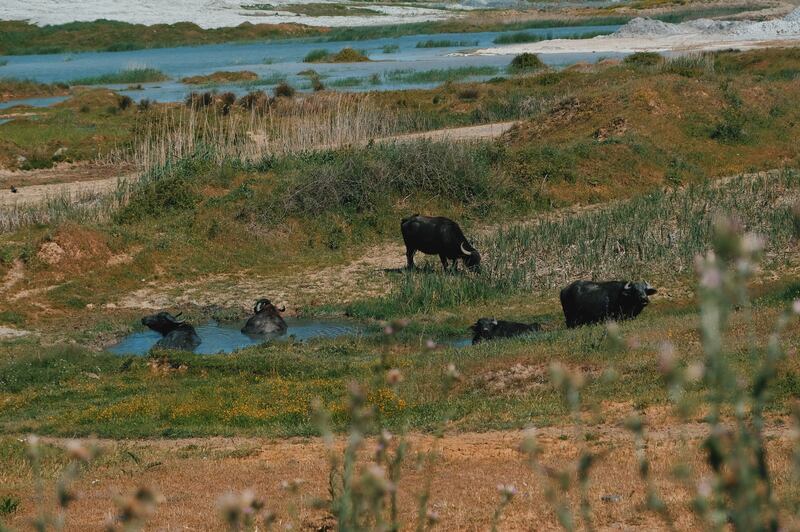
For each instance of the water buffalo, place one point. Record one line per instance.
(585, 302)
(436, 235)
(176, 334)
(490, 328)
(267, 319)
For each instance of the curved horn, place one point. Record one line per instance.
(465, 251)
(178, 315)
(627, 286)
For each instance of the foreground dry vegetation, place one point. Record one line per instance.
(683, 418)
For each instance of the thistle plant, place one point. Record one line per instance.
(363, 496)
(739, 491)
(134, 510)
(243, 512)
(559, 483)
(49, 517)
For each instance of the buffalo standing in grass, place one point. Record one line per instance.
(490, 328)
(176, 334)
(436, 235)
(586, 302)
(267, 319)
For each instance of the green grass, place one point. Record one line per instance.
(21, 38)
(626, 240)
(440, 75)
(523, 37)
(133, 75)
(266, 390)
(444, 43)
(347, 82)
(12, 88)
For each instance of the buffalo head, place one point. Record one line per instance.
(484, 326)
(163, 322)
(638, 293)
(472, 259)
(265, 305)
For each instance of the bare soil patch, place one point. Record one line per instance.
(193, 473)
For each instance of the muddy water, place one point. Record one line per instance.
(226, 337)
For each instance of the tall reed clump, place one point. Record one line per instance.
(655, 236)
(687, 65)
(736, 490)
(282, 127)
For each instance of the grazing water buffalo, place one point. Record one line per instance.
(267, 319)
(585, 302)
(490, 328)
(176, 334)
(435, 235)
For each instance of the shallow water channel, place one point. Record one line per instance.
(226, 337)
(283, 60)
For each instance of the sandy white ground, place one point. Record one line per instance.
(205, 13)
(646, 35)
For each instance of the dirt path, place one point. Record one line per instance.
(72, 182)
(193, 473)
(35, 186)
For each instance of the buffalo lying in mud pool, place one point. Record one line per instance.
(175, 334)
(436, 235)
(490, 328)
(587, 302)
(267, 320)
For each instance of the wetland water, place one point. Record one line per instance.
(274, 61)
(226, 337)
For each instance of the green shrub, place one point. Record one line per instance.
(469, 94)
(644, 59)
(526, 62)
(9, 505)
(254, 100)
(345, 55)
(198, 100)
(124, 102)
(284, 90)
(367, 181)
(167, 190)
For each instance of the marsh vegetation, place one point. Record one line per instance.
(682, 172)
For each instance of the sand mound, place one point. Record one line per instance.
(746, 30)
(643, 34)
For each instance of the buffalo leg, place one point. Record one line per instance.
(444, 262)
(410, 258)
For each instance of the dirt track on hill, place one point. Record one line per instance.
(76, 181)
